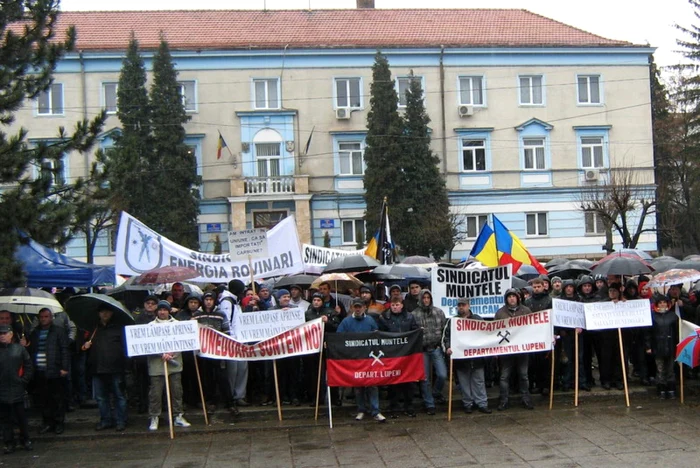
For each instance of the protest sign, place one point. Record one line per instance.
(568, 314)
(260, 325)
(378, 358)
(140, 249)
(621, 314)
(316, 258)
(304, 339)
(159, 338)
(522, 334)
(251, 242)
(484, 287)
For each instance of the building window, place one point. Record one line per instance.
(531, 90)
(536, 224)
(109, 97)
(268, 219)
(533, 152)
(592, 153)
(266, 93)
(589, 89)
(403, 84)
(347, 93)
(474, 225)
(50, 102)
(351, 154)
(594, 224)
(188, 91)
(112, 237)
(471, 90)
(54, 171)
(353, 231)
(268, 157)
(473, 155)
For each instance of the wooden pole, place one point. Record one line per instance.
(252, 276)
(170, 405)
(551, 378)
(277, 390)
(449, 392)
(576, 364)
(682, 385)
(330, 407)
(318, 383)
(201, 390)
(624, 368)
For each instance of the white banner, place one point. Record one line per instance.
(159, 338)
(484, 288)
(480, 338)
(261, 325)
(140, 249)
(251, 242)
(621, 314)
(568, 314)
(316, 258)
(304, 339)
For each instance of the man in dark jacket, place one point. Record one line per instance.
(470, 372)
(140, 363)
(397, 320)
(592, 339)
(49, 352)
(609, 358)
(539, 364)
(106, 361)
(519, 362)
(432, 320)
(661, 340)
(16, 370)
(412, 299)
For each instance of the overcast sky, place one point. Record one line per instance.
(630, 20)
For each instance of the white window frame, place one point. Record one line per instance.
(482, 79)
(534, 148)
(537, 217)
(268, 104)
(588, 102)
(594, 219)
(182, 84)
(347, 79)
(350, 154)
(472, 150)
(354, 222)
(268, 159)
(407, 79)
(50, 163)
(531, 90)
(591, 148)
(50, 92)
(105, 105)
(479, 221)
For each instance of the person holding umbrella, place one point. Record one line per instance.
(16, 370)
(106, 361)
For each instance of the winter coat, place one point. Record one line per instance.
(410, 303)
(57, 355)
(432, 320)
(334, 318)
(472, 363)
(13, 358)
(687, 311)
(352, 324)
(155, 361)
(505, 313)
(106, 354)
(214, 319)
(397, 323)
(662, 336)
(538, 302)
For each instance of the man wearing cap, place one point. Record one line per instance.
(470, 372)
(140, 363)
(266, 297)
(394, 292)
(331, 321)
(360, 322)
(106, 361)
(156, 372)
(213, 370)
(519, 362)
(557, 285)
(297, 299)
(49, 351)
(432, 320)
(16, 370)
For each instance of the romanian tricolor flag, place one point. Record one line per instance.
(484, 249)
(381, 246)
(511, 250)
(220, 146)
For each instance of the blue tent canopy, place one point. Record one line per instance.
(45, 267)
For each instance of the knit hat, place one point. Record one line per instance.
(282, 292)
(556, 278)
(394, 286)
(5, 329)
(152, 297)
(317, 294)
(164, 305)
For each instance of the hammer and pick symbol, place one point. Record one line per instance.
(504, 337)
(376, 357)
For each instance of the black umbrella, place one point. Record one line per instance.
(83, 310)
(396, 272)
(555, 261)
(691, 257)
(299, 280)
(568, 270)
(622, 264)
(582, 262)
(417, 260)
(350, 264)
(518, 283)
(28, 301)
(664, 263)
(688, 265)
(527, 272)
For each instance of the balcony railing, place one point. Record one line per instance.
(268, 185)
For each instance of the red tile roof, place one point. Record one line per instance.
(375, 28)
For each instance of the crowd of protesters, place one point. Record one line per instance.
(50, 364)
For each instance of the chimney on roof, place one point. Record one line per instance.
(365, 3)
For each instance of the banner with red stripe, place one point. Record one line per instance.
(378, 358)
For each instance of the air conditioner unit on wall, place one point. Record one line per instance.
(592, 175)
(342, 113)
(466, 111)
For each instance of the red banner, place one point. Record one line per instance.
(304, 339)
